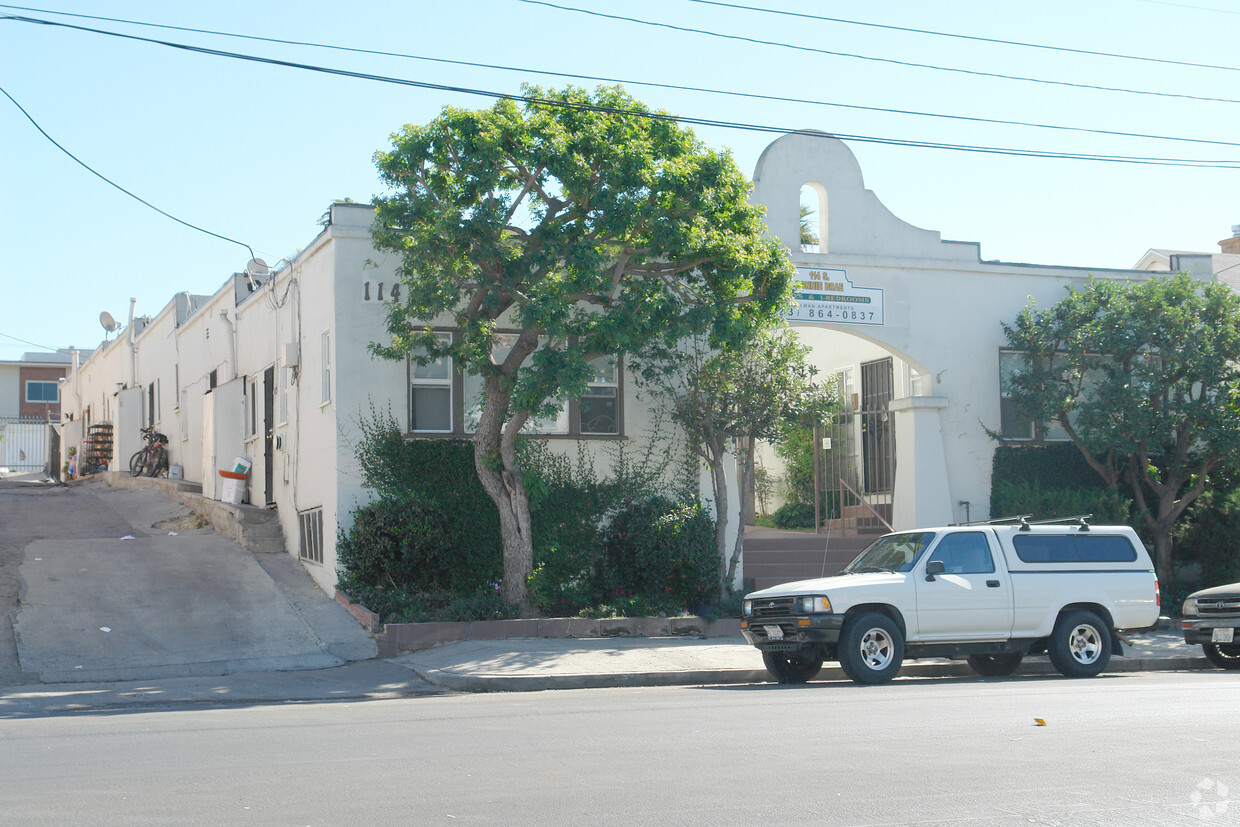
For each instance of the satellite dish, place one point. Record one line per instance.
(257, 268)
(109, 324)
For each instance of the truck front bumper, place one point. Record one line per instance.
(785, 634)
(1223, 630)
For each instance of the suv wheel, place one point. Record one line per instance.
(1080, 645)
(793, 667)
(995, 666)
(1224, 656)
(871, 648)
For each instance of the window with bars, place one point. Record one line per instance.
(311, 545)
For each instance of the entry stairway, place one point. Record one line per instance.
(771, 556)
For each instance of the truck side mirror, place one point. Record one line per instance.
(934, 567)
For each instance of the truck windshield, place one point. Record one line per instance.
(895, 552)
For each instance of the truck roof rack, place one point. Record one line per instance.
(1015, 518)
(1080, 519)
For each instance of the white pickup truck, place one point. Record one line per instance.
(994, 593)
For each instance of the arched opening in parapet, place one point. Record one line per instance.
(813, 212)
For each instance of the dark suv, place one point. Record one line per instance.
(1212, 618)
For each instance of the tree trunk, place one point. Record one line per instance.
(719, 481)
(745, 474)
(495, 460)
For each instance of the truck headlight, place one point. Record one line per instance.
(810, 605)
(1190, 607)
(747, 608)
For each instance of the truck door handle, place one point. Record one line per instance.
(992, 584)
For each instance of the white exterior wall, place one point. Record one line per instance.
(942, 311)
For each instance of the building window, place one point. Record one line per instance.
(599, 409)
(251, 405)
(184, 415)
(1013, 423)
(430, 394)
(46, 392)
(311, 546)
(326, 343)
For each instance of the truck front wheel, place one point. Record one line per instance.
(793, 667)
(1080, 645)
(871, 648)
(1224, 656)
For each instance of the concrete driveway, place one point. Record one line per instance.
(102, 584)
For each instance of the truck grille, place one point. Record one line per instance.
(771, 607)
(1218, 605)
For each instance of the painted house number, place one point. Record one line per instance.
(393, 294)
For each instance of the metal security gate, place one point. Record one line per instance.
(23, 443)
(858, 452)
(878, 442)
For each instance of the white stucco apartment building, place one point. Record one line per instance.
(275, 367)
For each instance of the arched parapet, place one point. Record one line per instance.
(858, 223)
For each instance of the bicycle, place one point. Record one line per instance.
(151, 460)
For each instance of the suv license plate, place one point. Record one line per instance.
(1217, 636)
(776, 633)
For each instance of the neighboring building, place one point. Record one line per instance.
(1223, 265)
(275, 366)
(29, 398)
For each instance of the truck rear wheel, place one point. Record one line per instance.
(871, 648)
(793, 667)
(1080, 645)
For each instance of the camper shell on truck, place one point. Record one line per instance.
(992, 592)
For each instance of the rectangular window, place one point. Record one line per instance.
(1013, 423)
(430, 394)
(311, 545)
(184, 415)
(326, 343)
(150, 405)
(557, 423)
(38, 391)
(1074, 548)
(599, 409)
(251, 405)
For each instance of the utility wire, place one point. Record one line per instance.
(887, 60)
(643, 83)
(109, 181)
(974, 38)
(25, 342)
(1030, 153)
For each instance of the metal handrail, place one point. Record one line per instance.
(860, 499)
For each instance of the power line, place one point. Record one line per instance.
(974, 38)
(25, 342)
(722, 124)
(109, 181)
(631, 82)
(886, 60)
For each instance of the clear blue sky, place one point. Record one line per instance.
(257, 152)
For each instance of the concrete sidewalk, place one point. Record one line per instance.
(527, 665)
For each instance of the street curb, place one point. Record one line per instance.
(705, 677)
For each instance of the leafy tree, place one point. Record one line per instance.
(1143, 377)
(743, 395)
(587, 224)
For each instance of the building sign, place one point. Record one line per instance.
(826, 296)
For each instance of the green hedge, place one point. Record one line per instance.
(663, 552)
(1055, 465)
